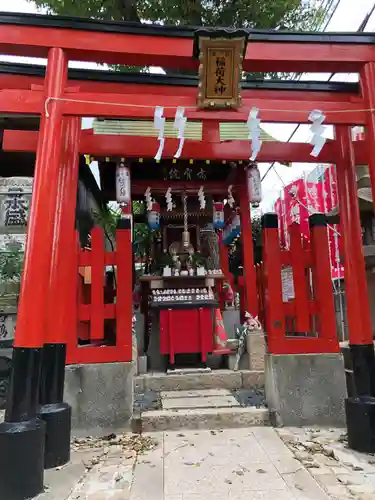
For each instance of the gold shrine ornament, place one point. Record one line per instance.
(220, 69)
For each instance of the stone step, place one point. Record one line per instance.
(216, 379)
(203, 418)
(195, 393)
(188, 371)
(199, 399)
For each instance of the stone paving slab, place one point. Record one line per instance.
(216, 379)
(195, 393)
(148, 478)
(158, 382)
(232, 464)
(342, 473)
(203, 418)
(200, 402)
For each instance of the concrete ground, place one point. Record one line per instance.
(252, 463)
(341, 472)
(257, 463)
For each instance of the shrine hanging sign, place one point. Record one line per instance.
(220, 70)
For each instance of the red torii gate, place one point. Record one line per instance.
(112, 145)
(60, 103)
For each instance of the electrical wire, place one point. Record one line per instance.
(360, 29)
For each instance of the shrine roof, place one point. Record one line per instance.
(177, 80)
(84, 24)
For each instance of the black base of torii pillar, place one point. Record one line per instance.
(54, 412)
(22, 435)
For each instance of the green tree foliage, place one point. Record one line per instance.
(264, 14)
(107, 218)
(11, 262)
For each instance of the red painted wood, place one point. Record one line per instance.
(358, 310)
(85, 312)
(300, 257)
(270, 110)
(273, 303)
(121, 311)
(242, 294)
(14, 101)
(248, 251)
(176, 53)
(24, 82)
(223, 251)
(323, 293)
(260, 289)
(97, 354)
(108, 145)
(299, 280)
(112, 48)
(210, 131)
(367, 82)
(224, 264)
(85, 258)
(171, 337)
(32, 311)
(180, 331)
(304, 345)
(289, 308)
(97, 284)
(307, 57)
(128, 106)
(62, 273)
(124, 291)
(76, 329)
(201, 334)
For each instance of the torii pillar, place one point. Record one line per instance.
(22, 435)
(249, 271)
(63, 286)
(360, 410)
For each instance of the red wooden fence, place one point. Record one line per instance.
(103, 316)
(307, 322)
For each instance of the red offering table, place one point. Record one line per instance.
(187, 330)
(186, 306)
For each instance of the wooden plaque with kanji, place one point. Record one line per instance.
(220, 72)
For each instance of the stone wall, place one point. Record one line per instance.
(15, 200)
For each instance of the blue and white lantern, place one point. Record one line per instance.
(227, 234)
(218, 216)
(153, 216)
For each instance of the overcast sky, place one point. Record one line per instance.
(348, 17)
